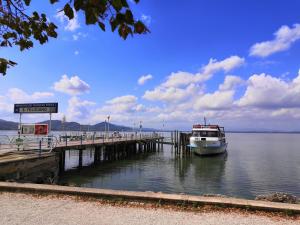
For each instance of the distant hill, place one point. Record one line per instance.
(8, 125)
(56, 125)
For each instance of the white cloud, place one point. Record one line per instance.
(71, 25)
(226, 65)
(72, 86)
(180, 78)
(215, 101)
(266, 91)
(181, 85)
(121, 109)
(4, 105)
(183, 106)
(146, 19)
(231, 82)
(284, 38)
(78, 36)
(184, 78)
(222, 98)
(79, 109)
(75, 37)
(122, 104)
(143, 79)
(122, 100)
(76, 52)
(19, 96)
(171, 94)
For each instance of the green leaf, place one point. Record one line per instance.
(124, 3)
(117, 4)
(120, 17)
(53, 1)
(90, 16)
(3, 67)
(129, 17)
(51, 30)
(44, 18)
(101, 25)
(113, 23)
(4, 64)
(35, 16)
(27, 2)
(69, 11)
(122, 32)
(78, 4)
(140, 28)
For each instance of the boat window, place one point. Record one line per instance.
(205, 133)
(196, 133)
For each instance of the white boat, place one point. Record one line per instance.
(208, 140)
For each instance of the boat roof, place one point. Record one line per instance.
(207, 127)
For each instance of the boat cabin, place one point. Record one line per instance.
(208, 131)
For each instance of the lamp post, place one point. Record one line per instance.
(163, 128)
(105, 128)
(141, 128)
(134, 131)
(63, 121)
(108, 117)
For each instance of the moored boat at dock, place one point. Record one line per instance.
(208, 139)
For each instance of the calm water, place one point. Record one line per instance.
(255, 164)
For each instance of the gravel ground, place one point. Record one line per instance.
(27, 209)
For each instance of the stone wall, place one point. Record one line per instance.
(35, 169)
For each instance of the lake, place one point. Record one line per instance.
(255, 164)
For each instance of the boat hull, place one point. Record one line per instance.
(209, 148)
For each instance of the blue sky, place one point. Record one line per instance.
(235, 62)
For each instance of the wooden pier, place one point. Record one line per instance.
(19, 162)
(179, 142)
(110, 149)
(42, 161)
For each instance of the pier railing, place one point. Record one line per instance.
(48, 143)
(27, 143)
(67, 139)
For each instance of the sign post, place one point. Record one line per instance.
(38, 129)
(50, 123)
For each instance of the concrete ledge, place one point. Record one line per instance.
(151, 196)
(12, 157)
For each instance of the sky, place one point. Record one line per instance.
(237, 63)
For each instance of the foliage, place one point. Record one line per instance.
(20, 29)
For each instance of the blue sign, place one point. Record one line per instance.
(36, 108)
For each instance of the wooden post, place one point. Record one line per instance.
(80, 158)
(176, 147)
(180, 142)
(62, 161)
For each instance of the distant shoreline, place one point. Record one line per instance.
(168, 131)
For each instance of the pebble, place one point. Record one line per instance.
(25, 209)
(278, 197)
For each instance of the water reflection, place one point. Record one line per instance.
(211, 167)
(255, 164)
(72, 158)
(209, 173)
